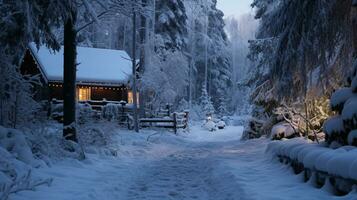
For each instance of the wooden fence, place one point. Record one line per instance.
(163, 118)
(175, 121)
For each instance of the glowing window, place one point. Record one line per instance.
(131, 98)
(83, 94)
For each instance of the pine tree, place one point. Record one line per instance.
(222, 108)
(22, 22)
(206, 103)
(342, 128)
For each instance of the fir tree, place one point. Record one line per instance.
(206, 103)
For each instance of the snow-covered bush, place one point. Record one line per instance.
(334, 129)
(110, 111)
(85, 113)
(283, 130)
(221, 124)
(349, 113)
(57, 111)
(16, 161)
(339, 98)
(352, 138)
(210, 125)
(340, 130)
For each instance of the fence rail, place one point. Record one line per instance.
(175, 121)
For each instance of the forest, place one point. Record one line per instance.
(177, 99)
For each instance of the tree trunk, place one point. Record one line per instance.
(143, 54)
(69, 78)
(354, 27)
(135, 112)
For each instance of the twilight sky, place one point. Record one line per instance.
(234, 7)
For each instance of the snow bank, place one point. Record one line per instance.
(341, 162)
(16, 163)
(15, 143)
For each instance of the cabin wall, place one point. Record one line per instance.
(112, 94)
(97, 93)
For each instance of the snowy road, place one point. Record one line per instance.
(200, 165)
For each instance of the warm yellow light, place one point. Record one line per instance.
(83, 94)
(131, 97)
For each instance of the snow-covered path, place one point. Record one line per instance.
(187, 174)
(200, 165)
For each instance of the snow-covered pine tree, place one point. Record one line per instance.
(301, 55)
(22, 22)
(342, 128)
(211, 50)
(222, 108)
(206, 103)
(166, 70)
(220, 65)
(170, 25)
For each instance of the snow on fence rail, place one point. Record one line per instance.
(110, 110)
(320, 165)
(174, 121)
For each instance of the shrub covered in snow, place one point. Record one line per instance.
(85, 113)
(349, 113)
(210, 125)
(221, 124)
(339, 98)
(110, 111)
(352, 138)
(283, 130)
(16, 162)
(334, 129)
(57, 111)
(340, 130)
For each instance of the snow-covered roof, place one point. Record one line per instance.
(102, 66)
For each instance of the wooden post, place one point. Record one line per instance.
(175, 122)
(186, 119)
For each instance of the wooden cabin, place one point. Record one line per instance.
(102, 74)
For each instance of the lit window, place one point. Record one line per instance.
(83, 94)
(131, 98)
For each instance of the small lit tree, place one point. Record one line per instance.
(206, 103)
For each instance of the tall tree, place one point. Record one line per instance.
(69, 73)
(22, 22)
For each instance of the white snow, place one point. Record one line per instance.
(352, 137)
(340, 96)
(350, 109)
(334, 125)
(210, 125)
(354, 84)
(198, 164)
(340, 162)
(95, 65)
(282, 129)
(221, 124)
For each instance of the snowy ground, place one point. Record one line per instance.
(197, 165)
